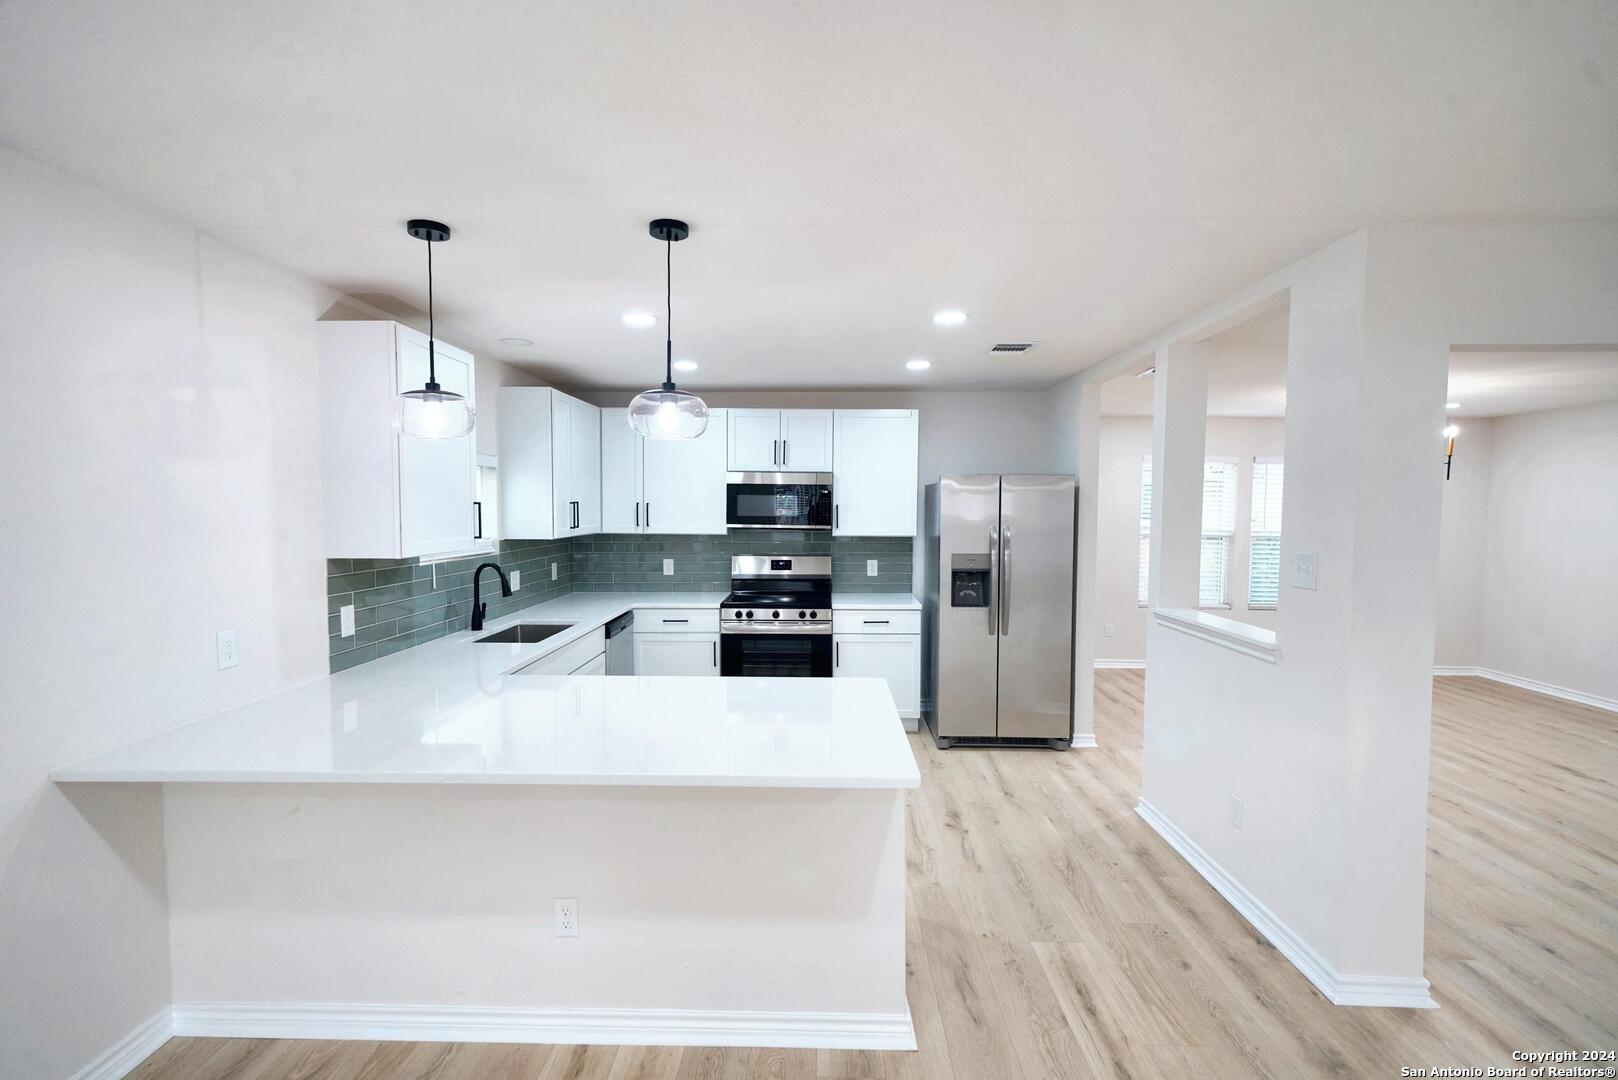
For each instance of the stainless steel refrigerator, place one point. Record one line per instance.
(998, 612)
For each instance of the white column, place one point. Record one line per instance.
(1179, 430)
(1087, 471)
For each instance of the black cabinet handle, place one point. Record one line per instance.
(837, 661)
(676, 620)
(783, 451)
(648, 515)
(876, 622)
(637, 515)
(835, 516)
(477, 517)
(716, 654)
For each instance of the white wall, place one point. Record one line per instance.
(1463, 536)
(1125, 440)
(164, 484)
(491, 376)
(1530, 524)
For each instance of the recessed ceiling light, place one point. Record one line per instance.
(685, 365)
(949, 317)
(519, 341)
(918, 364)
(639, 320)
(1452, 404)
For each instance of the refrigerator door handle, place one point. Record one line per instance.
(1005, 582)
(994, 580)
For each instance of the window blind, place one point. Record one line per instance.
(1264, 546)
(1218, 526)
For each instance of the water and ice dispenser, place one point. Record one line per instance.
(969, 580)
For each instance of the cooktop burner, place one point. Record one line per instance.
(770, 593)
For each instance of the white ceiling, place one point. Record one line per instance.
(1247, 377)
(1078, 174)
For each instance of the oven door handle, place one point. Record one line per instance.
(775, 628)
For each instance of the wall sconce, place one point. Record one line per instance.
(1449, 447)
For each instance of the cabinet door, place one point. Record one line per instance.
(684, 482)
(874, 488)
(620, 474)
(755, 440)
(598, 666)
(676, 654)
(527, 480)
(806, 440)
(436, 480)
(894, 657)
(561, 464)
(585, 466)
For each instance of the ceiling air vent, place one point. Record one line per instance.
(1011, 346)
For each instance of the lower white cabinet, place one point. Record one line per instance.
(573, 658)
(598, 666)
(882, 643)
(676, 654)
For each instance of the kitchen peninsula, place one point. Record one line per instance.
(437, 846)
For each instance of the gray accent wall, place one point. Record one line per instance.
(400, 602)
(635, 563)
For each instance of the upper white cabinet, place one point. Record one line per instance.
(658, 486)
(780, 440)
(550, 464)
(387, 496)
(875, 472)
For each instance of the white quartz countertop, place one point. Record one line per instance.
(448, 712)
(875, 601)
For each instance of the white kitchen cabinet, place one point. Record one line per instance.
(598, 666)
(780, 440)
(875, 472)
(676, 654)
(387, 496)
(894, 657)
(658, 486)
(550, 464)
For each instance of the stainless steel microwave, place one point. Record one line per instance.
(771, 500)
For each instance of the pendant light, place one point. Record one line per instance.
(431, 412)
(668, 412)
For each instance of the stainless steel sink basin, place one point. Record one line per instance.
(525, 633)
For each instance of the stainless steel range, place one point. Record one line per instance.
(777, 618)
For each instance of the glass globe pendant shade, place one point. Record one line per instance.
(432, 414)
(668, 413)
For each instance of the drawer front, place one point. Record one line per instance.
(569, 658)
(676, 620)
(876, 621)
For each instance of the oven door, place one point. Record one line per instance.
(778, 501)
(775, 654)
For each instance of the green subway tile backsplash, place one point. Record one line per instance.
(399, 602)
(612, 563)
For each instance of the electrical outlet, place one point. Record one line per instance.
(516, 580)
(1108, 630)
(567, 917)
(345, 620)
(553, 571)
(225, 646)
(351, 717)
(668, 567)
(1303, 571)
(870, 568)
(1235, 812)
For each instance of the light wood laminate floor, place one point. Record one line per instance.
(1052, 934)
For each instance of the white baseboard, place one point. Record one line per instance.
(1084, 740)
(120, 1059)
(1578, 697)
(1399, 992)
(631, 1027)
(1133, 664)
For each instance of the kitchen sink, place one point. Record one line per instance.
(525, 633)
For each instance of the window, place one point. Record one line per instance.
(1218, 527)
(1264, 546)
(487, 521)
(1145, 529)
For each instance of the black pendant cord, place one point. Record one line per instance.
(668, 313)
(432, 358)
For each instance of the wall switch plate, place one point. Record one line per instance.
(1235, 812)
(1303, 571)
(668, 567)
(1108, 630)
(225, 646)
(870, 568)
(567, 917)
(345, 620)
(553, 571)
(516, 580)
